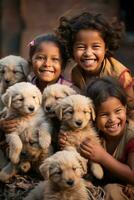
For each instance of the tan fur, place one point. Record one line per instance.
(76, 113)
(52, 94)
(33, 134)
(13, 69)
(63, 172)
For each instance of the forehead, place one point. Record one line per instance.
(48, 47)
(88, 34)
(110, 104)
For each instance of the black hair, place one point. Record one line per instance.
(111, 33)
(99, 89)
(34, 45)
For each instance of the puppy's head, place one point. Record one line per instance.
(13, 69)
(52, 94)
(25, 98)
(64, 168)
(75, 111)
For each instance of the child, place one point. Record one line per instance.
(91, 41)
(117, 136)
(47, 57)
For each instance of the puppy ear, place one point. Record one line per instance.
(83, 163)
(69, 91)
(44, 168)
(58, 111)
(91, 106)
(25, 67)
(39, 95)
(7, 99)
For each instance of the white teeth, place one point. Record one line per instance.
(89, 62)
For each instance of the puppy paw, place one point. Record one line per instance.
(14, 158)
(97, 170)
(7, 172)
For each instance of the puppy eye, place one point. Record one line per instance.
(74, 168)
(20, 99)
(56, 98)
(70, 111)
(34, 97)
(59, 172)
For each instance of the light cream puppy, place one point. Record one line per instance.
(23, 101)
(13, 69)
(52, 94)
(76, 113)
(63, 173)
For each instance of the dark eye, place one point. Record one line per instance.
(59, 172)
(74, 168)
(20, 99)
(34, 97)
(56, 98)
(70, 111)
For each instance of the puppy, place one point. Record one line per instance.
(13, 69)
(63, 173)
(33, 135)
(51, 95)
(76, 113)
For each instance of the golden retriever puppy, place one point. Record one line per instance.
(33, 134)
(13, 69)
(52, 94)
(76, 113)
(63, 173)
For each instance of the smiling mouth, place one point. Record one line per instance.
(45, 70)
(113, 127)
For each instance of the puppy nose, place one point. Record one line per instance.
(70, 182)
(7, 81)
(31, 108)
(78, 122)
(48, 108)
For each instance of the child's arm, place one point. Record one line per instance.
(98, 154)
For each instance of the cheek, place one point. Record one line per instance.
(100, 123)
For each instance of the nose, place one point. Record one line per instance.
(7, 81)
(48, 108)
(112, 118)
(47, 62)
(88, 51)
(31, 108)
(70, 182)
(78, 122)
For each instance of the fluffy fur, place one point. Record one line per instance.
(76, 113)
(33, 134)
(52, 94)
(13, 69)
(63, 172)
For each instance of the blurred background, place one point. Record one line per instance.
(22, 20)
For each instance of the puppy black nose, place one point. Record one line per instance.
(70, 182)
(7, 81)
(48, 108)
(78, 122)
(31, 108)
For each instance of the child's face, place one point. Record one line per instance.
(47, 62)
(111, 117)
(89, 50)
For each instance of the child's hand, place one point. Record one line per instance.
(128, 191)
(9, 125)
(92, 150)
(62, 138)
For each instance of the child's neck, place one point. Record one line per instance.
(112, 143)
